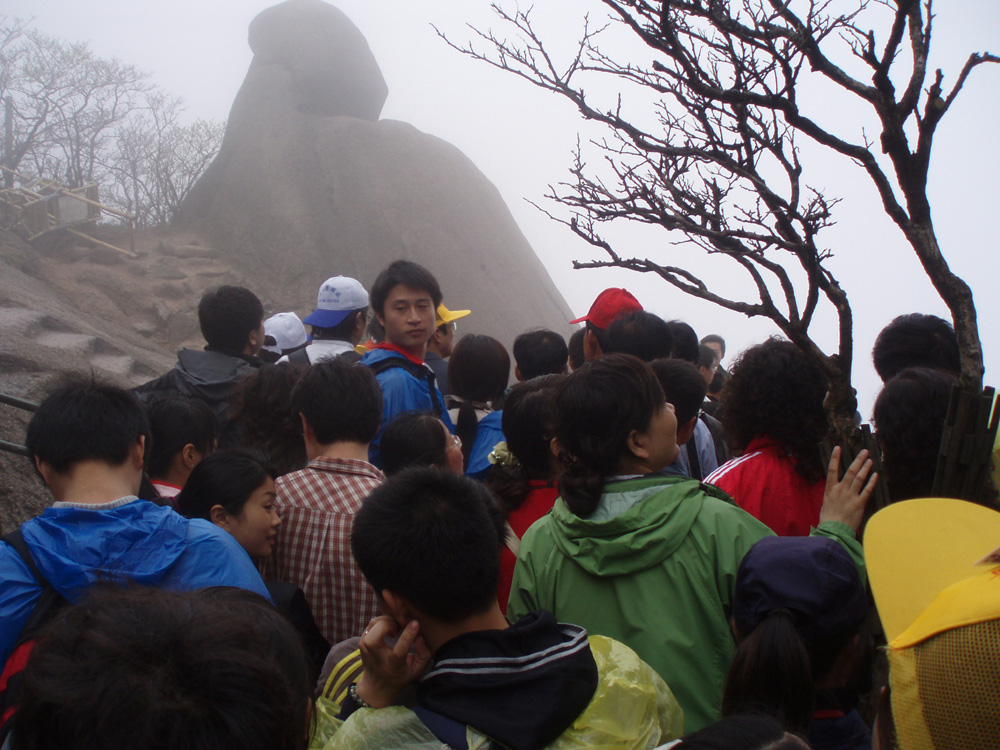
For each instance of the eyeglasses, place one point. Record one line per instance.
(456, 442)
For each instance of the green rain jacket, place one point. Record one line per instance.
(659, 577)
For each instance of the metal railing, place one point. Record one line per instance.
(17, 403)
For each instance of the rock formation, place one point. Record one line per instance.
(308, 184)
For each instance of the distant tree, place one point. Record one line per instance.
(156, 159)
(718, 158)
(79, 118)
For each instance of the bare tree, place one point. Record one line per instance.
(719, 162)
(79, 118)
(157, 159)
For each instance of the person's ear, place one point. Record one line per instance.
(398, 608)
(518, 375)
(556, 447)
(591, 346)
(44, 471)
(638, 444)
(307, 431)
(189, 455)
(686, 431)
(139, 452)
(380, 318)
(217, 515)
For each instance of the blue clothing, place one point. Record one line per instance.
(705, 446)
(488, 435)
(75, 548)
(401, 392)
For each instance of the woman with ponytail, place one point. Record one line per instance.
(798, 613)
(525, 471)
(478, 371)
(648, 560)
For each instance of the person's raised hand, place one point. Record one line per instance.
(845, 499)
(388, 669)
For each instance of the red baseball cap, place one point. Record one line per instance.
(609, 305)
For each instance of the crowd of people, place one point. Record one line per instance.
(363, 536)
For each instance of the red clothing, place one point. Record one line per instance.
(764, 482)
(539, 501)
(313, 551)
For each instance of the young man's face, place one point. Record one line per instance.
(408, 318)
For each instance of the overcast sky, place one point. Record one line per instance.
(522, 138)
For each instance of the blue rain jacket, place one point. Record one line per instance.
(488, 435)
(74, 548)
(401, 392)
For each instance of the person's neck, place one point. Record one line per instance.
(94, 483)
(343, 449)
(437, 633)
(631, 466)
(417, 353)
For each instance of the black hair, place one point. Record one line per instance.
(478, 371)
(86, 421)
(341, 400)
(265, 418)
(683, 386)
(176, 421)
(909, 417)
(216, 668)
(227, 315)
(407, 273)
(743, 732)
(685, 341)
(343, 330)
(376, 331)
(916, 340)
(540, 352)
(597, 408)
(775, 671)
(528, 422)
(707, 356)
(639, 333)
(575, 347)
(413, 439)
(714, 338)
(430, 536)
(718, 380)
(774, 389)
(227, 478)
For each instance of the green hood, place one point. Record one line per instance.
(641, 537)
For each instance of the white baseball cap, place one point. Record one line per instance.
(338, 297)
(285, 330)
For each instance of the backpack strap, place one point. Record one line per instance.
(420, 372)
(452, 733)
(299, 357)
(694, 464)
(48, 602)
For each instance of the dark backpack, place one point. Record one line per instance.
(48, 604)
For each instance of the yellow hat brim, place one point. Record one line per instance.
(915, 549)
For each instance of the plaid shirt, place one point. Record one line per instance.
(313, 550)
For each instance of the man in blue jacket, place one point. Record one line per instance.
(405, 297)
(87, 442)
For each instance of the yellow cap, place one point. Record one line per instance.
(444, 315)
(915, 549)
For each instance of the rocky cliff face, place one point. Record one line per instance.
(309, 184)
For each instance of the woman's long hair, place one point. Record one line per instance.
(528, 422)
(478, 371)
(597, 408)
